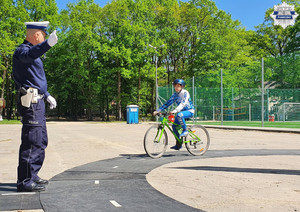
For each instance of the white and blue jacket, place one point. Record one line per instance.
(183, 101)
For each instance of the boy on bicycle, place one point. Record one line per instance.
(184, 110)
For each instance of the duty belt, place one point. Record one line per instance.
(31, 96)
(35, 98)
(35, 95)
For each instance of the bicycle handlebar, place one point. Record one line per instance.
(162, 114)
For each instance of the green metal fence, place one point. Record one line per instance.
(240, 103)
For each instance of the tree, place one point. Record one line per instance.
(103, 61)
(13, 14)
(12, 31)
(77, 47)
(277, 44)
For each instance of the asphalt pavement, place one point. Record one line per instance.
(103, 167)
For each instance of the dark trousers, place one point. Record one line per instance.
(34, 141)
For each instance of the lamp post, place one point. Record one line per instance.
(222, 98)
(262, 93)
(156, 83)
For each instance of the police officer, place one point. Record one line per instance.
(31, 84)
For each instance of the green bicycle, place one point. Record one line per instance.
(156, 138)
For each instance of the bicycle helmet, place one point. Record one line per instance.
(179, 81)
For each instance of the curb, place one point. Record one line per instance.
(265, 129)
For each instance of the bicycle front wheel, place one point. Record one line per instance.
(197, 141)
(155, 142)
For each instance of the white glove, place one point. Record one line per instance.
(52, 102)
(52, 40)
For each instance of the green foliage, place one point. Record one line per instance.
(103, 61)
(281, 47)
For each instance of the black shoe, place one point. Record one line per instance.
(34, 187)
(42, 181)
(176, 147)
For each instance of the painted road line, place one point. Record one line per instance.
(19, 193)
(117, 205)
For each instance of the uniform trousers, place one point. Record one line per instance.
(34, 141)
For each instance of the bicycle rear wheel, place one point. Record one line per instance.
(197, 141)
(155, 142)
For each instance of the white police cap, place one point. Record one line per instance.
(42, 25)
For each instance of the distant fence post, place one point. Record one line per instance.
(233, 106)
(221, 97)
(262, 92)
(283, 112)
(249, 112)
(195, 112)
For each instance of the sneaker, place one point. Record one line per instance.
(184, 133)
(176, 147)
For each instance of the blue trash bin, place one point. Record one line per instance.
(132, 114)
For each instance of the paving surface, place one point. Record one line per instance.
(103, 167)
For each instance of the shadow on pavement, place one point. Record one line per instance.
(245, 170)
(4, 187)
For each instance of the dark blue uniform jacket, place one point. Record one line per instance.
(28, 69)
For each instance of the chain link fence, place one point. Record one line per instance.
(240, 104)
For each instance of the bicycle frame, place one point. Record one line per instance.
(165, 123)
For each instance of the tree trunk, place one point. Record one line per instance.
(4, 77)
(9, 97)
(107, 107)
(4, 82)
(139, 85)
(119, 97)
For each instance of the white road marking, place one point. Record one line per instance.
(115, 167)
(117, 205)
(19, 193)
